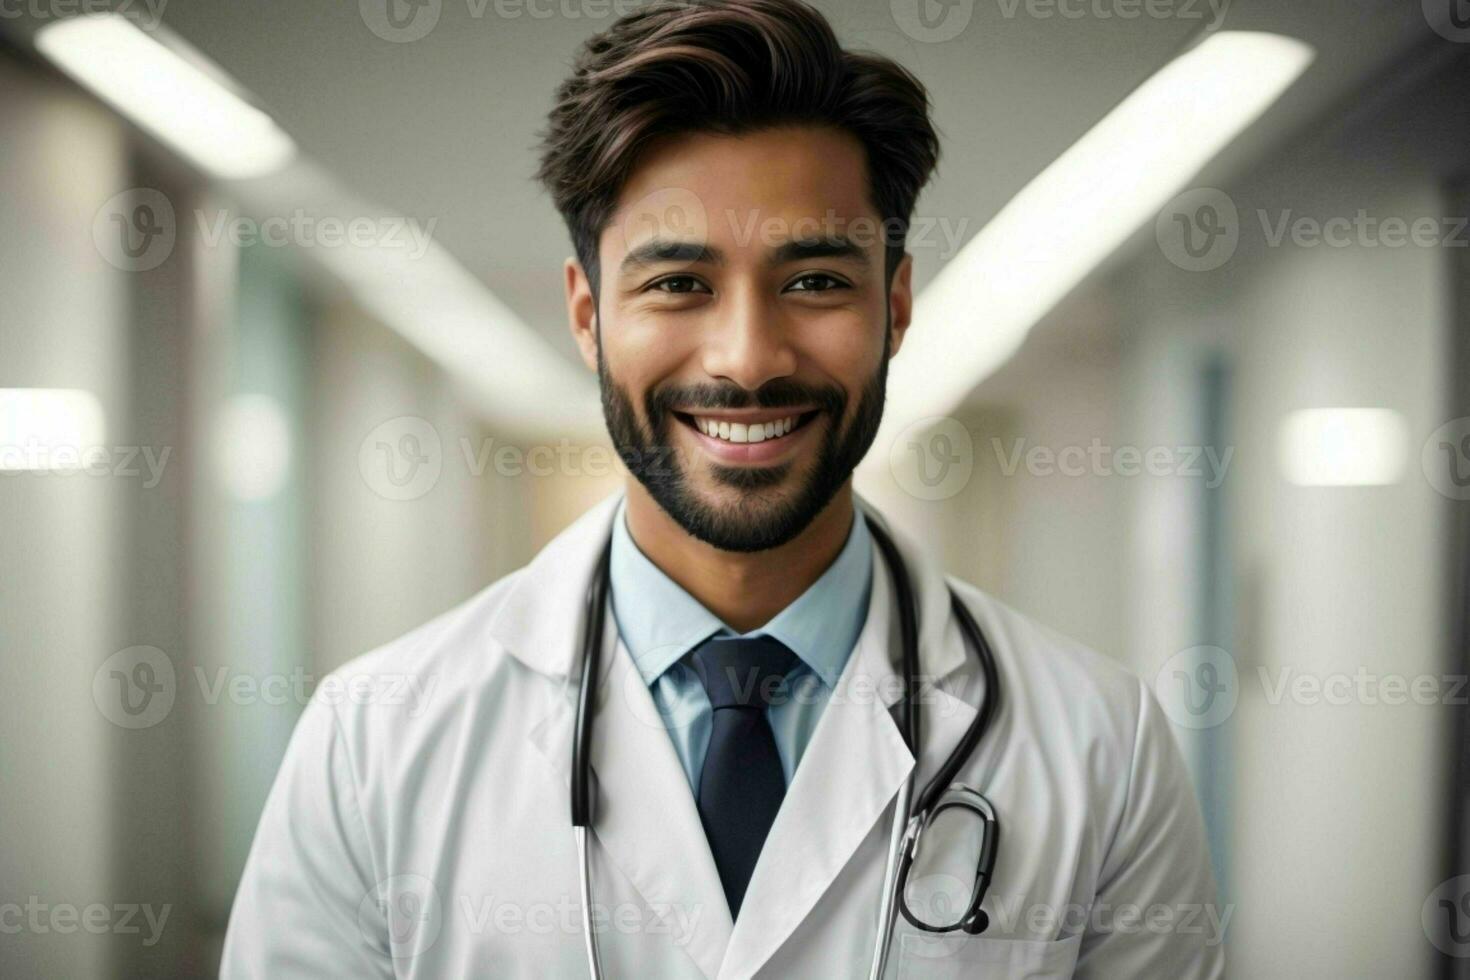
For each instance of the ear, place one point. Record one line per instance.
(900, 303)
(581, 311)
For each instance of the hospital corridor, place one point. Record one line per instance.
(286, 374)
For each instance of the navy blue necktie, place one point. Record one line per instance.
(742, 784)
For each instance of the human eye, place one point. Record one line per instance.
(816, 282)
(678, 285)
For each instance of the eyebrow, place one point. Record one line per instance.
(831, 247)
(656, 251)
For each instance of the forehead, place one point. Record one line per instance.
(724, 188)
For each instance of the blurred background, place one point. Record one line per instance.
(284, 372)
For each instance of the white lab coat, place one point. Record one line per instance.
(427, 834)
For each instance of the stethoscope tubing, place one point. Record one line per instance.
(907, 817)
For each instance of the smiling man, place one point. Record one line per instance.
(737, 188)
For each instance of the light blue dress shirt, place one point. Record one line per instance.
(660, 624)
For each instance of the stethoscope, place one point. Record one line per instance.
(940, 794)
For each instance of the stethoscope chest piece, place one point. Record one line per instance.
(943, 901)
(942, 897)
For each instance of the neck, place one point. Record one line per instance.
(745, 589)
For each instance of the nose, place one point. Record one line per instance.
(749, 344)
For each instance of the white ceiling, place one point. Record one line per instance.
(445, 127)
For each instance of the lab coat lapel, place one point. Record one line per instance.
(854, 765)
(644, 814)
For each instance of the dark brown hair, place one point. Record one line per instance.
(727, 66)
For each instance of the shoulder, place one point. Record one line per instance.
(1084, 720)
(411, 683)
(1082, 714)
(1043, 668)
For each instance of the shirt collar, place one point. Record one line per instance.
(659, 622)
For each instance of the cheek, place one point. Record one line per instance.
(639, 356)
(846, 347)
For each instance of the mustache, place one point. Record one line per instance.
(777, 393)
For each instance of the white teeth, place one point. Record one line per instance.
(742, 432)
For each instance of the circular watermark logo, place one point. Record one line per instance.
(135, 688)
(643, 701)
(135, 230)
(669, 214)
(400, 21)
(933, 458)
(1198, 687)
(401, 459)
(408, 906)
(1450, 19)
(932, 21)
(1446, 917)
(1199, 229)
(940, 899)
(1446, 459)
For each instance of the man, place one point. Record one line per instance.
(737, 189)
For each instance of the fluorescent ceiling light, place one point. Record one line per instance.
(510, 371)
(1077, 212)
(1343, 447)
(45, 429)
(184, 105)
(252, 447)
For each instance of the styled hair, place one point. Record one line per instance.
(728, 67)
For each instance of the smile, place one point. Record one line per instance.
(744, 432)
(743, 436)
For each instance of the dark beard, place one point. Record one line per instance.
(757, 522)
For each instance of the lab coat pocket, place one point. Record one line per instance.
(942, 958)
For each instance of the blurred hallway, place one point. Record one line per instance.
(253, 425)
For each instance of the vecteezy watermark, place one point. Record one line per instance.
(146, 14)
(409, 911)
(1450, 19)
(1362, 686)
(1446, 459)
(1362, 230)
(402, 21)
(918, 233)
(1200, 229)
(932, 21)
(37, 917)
(942, 897)
(484, 914)
(1445, 917)
(404, 457)
(135, 687)
(1099, 459)
(1200, 687)
(678, 215)
(305, 230)
(1211, 12)
(940, 696)
(1012, 915)
(933, 458)
(136, 230)
(401, 458)
(37, 456)
(936, 21)
(139, 686)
